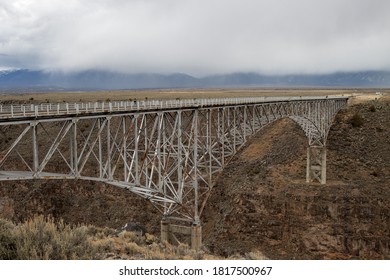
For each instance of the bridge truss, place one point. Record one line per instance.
(168, 152)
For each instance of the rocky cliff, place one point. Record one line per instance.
(262, 203)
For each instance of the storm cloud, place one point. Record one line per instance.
(197, 37)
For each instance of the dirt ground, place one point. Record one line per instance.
(261, 202)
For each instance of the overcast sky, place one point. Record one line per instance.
(197, 37)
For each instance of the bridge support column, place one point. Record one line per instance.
(196, 237)
(164, 230)
(171, 233)
(316, 164)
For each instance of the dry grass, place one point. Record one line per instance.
(43, 238)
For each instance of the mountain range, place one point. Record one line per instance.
(35, 80)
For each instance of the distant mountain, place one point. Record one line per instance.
(92, 80)
(342, 79)
(95, 80)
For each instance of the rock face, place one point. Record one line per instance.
(76, 202)
(133, 227)
(262, 203)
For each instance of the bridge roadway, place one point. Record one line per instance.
(53, 110)
(167, 151)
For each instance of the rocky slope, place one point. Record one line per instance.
(76, 202)
(262, 203)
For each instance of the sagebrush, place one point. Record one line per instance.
(43, 238)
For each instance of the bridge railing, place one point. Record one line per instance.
(51, 109)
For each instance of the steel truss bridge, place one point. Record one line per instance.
(167, 151)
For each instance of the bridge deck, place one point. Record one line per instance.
(46, 110)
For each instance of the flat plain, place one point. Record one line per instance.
(94, 96)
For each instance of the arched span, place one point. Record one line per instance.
(312, 131)
(169, 156)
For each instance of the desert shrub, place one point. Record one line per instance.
(132, 248)
(104, 245)
(42, 238)
(132, 237)
(99, 232)
(7, 241)
(372, 108)
(356, 120)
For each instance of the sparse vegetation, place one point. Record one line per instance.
(7, 241)
(356, 120)
(43, 238)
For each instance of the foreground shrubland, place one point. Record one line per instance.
(43, 238)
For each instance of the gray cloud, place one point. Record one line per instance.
(196, 36)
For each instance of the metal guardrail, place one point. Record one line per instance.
(8, 111)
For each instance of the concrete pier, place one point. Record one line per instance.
(316, 164)
(194, 234)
